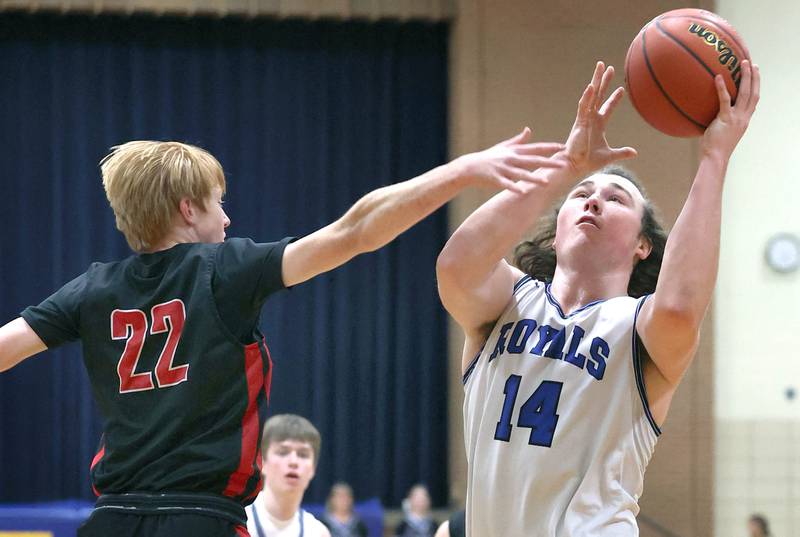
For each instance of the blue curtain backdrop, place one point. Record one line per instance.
(305, 117)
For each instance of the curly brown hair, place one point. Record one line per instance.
(537, 258)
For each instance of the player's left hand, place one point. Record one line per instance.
(587, 147)
(724, 133)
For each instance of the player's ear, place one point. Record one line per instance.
(644, 248)
(188, 210)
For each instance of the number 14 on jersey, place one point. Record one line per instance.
(537, 413)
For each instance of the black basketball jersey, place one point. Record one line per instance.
(177, 365)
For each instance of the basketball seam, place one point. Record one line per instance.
(719, 28)
(686, 48)
(661, 89)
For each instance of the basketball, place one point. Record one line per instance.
(670, 69)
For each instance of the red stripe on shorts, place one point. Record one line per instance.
(95, 460)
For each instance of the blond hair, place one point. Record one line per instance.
(291, 427)
(145, 182)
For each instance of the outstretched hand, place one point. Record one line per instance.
(724, 133)
(510, 163)
(587, 148)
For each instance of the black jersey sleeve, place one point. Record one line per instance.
(248, 272)
(57, 320)
(245, 274)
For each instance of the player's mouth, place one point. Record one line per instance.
(588, 220)
(293, 477)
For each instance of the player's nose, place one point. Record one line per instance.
(592, 205)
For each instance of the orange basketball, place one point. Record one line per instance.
(670, 69)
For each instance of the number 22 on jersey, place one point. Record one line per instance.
(538, 413)
(131, 325)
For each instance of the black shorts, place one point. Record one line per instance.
(457, 524)
(145, 515)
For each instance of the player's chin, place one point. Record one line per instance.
(294, 483)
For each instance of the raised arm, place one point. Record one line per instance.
(669, 322)
(475, 282)
(17, 342)
(383, 214)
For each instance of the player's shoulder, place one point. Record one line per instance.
(625, 301)
(236, 249)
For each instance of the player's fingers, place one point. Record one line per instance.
(508, 184)
(521, 175)
(539, 148)
(585, 102)
(519, 138)
(722, 93)
(611, 103)
(623, 153)
(756, 91)
(597, 76)
(529, 163)
(608, 74)
(745, 91)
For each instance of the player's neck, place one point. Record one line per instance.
(176, 235)
(576, 288)
(282, 506)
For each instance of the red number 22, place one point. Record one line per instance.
(131, 325)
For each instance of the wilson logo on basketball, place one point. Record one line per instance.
(727, 56)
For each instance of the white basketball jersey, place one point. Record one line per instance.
(261, 524)
(556, 423)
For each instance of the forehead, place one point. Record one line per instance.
(601, 180)
(290, 444)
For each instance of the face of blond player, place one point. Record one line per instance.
(601, 221)
(288, 466)
(210, 223)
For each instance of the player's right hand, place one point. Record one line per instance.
(724, 133)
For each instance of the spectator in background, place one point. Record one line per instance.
(417, 521)
(758, 526)
(339, 516)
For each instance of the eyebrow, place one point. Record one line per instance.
(616, 186)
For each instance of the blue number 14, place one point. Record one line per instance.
(538, 413)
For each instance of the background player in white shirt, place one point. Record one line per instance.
(290, 447)
(573, 377)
